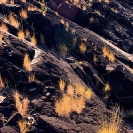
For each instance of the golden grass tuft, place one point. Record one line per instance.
(111, 124)
(6, 19)
(82, 48)
(33, 41)
(23, 1)
(26, 63)
(11, 2)
(62, 84)
(23, 14)
(63, 106)
(73, 100)
(4, 27)
(21, 105)
(88, 93)
(1, 36)
(22, 126)
(63, 50)
(108, 53)
(21, 35)
(27, 33)
(1, 83)
(13, 21)
(70, 90)
(3, 1)
(107, 88)
(31, 77)
(95, 59)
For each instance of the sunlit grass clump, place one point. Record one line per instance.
(72, 100)
(111, 124)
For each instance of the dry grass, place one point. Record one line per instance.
(3, 1)
(26, 63)
(111, 124)
(88, 93)
(27, 33)
(73, 100)
(95, 59)
(11, 2)
(63, 106)
(63, 50)
(62, 21)
(32, 8)
(23, 14)
(22, 126)
(23, 1)
(84, 7)
(107, 1)
(6, 19)
(21, 35)
(33, 41)
(107, 88)
(1, 36)
(82, 48)
(31, 77)
(4, 27)
(1, 83)
(108, 53)
(21, 105)
(13, 21)
(62, 84)
(70, 90)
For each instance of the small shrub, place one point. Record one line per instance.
(73, 100)
(22, 126)
(23, 1)
(13, 21)
(62, 84)
(21, 105)
(1, 36)
(1, 83)
(21, 35)
(111, 124)
(63, 50)
(31, 77)
(3, 1)
(108, 53)
(26, 63)
(4, 27)
(11, 2)
(33, 41)
(23, 14)
(82, 48)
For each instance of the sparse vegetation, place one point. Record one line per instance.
(26, 63)
(33, 41)
(62, 84)
(4, 27)
(1, 36)
(3, 2)
(31, 77)
(21, 35)
(23, 14)
(63, 50)
(1, 83)
(82, 48)
(22, 126)
(73, 100)
(108, 53)
(111, 124)
(21, 105)
(13, 21)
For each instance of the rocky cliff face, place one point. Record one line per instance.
(89, 43)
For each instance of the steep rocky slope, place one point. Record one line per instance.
(101, 26)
